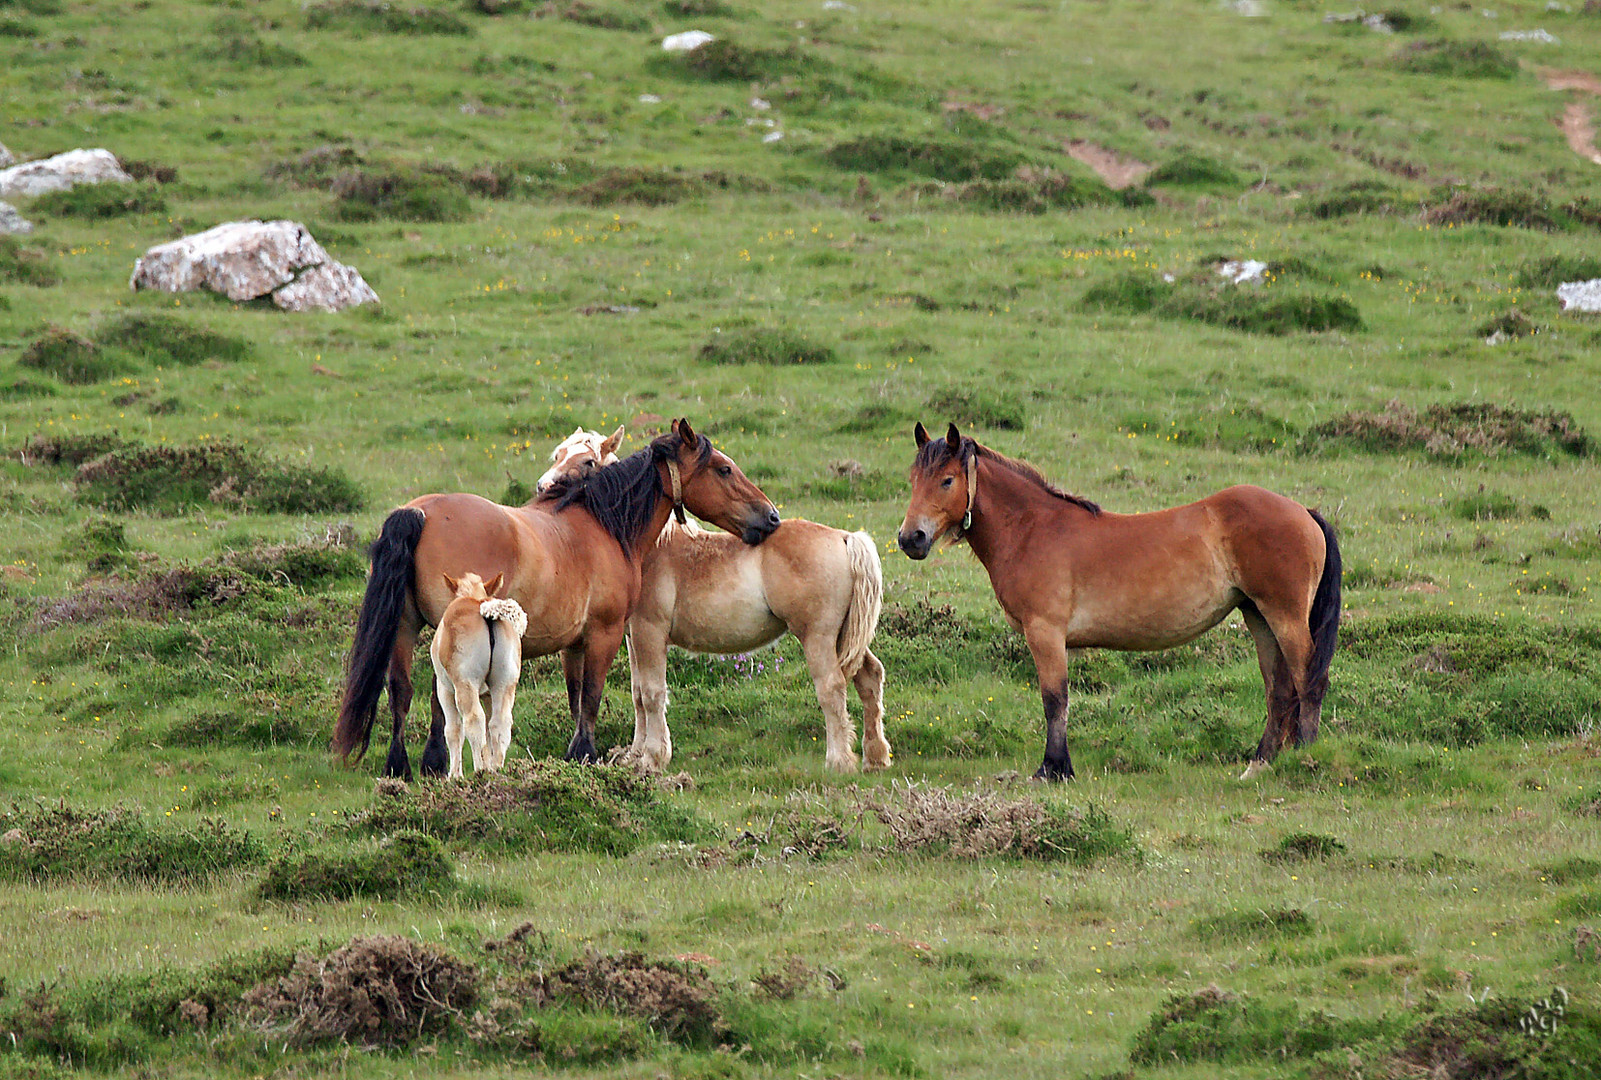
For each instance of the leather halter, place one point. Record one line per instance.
(972, 489)
(678, 490)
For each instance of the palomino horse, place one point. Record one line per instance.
(477, 650)
(706, 593)
(571, 559)
(1072, 577)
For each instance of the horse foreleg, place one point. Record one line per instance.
(869, 681)
(582, 746)
(1048, 646)
(599, 652)
(647, 665)
(399, 683)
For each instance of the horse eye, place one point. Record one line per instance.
(949, 480)
(725, 470)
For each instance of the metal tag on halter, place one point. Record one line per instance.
(972, 490)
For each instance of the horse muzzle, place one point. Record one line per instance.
(761, 528)
(916, 544)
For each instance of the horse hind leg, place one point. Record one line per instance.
(470, 711)
(869, 683)
(397, 764)
(1280, 687)
(446, 693)
(435, 758)
(829, 681)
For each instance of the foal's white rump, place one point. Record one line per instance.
(477, 651)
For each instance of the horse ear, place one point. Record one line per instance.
(686, 432)
(612, 442)
(953, 438)
(920, 433)
(451, 583)
(493, 587)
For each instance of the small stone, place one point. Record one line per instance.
(13, 223)
(62, 172)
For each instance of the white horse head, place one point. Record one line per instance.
(580, 454)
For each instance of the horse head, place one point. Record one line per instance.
(713, 487)
(580, 454)
(942, 486)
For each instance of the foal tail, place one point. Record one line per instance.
(376, 628)
(1324, 620)
(867, 599)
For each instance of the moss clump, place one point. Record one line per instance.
(725, 60)
(1251, 311)
(170, 479)
(372, 16)
(98, 201)
(1303, 847)
(1456, 59)
(407, 866)
(1361, 197)
(951, 161)
(399, 193)
(1218, 1026)
(72, 358)
(536, 806)
(1254, 924)
(765, 347)
(974, 407)
(1238, 428)
(1036, 191)
(1455, 430)
(49, 841)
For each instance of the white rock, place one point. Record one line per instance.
(649, 99)
(6, 156)
(62, 172)
(760, 104)
(246, 259)
(11, 222)
(1529, 35)
(837, 5)
(689, 39)
(332, 286)
(1243, 271)
(1580, 295)
(772, 136)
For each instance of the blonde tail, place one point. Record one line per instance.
(867, 598)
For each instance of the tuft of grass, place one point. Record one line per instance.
(1216, 1025)
(1553, 271)
(102, 544)
(1361, 197)
(243, 47)
(406, 866)
(975, 407)
(705, 9)
(70, 449)
(1035, 191)
(1494, 1038)
(1452, 431)
(169, 479)
(536, 806)
(72, 358)
(375, 17)
(980, 824)
(1509, 326)
(1303, 847)
(726, 60)
(398, 193)
(769, 346)
(1251, 311)
(1239, 428)
(1456, 59)
(1241, 926)
(96, 202)
(44, 842)
(1192, 170)
(1572, 870)
(22, 265)
(605, 18)
(166, 339)
(1486, 506)
(1523, 208)
(951, 161)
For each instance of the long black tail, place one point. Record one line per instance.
(1324, 621)
(376, 628)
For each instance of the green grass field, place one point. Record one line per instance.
(552, 250)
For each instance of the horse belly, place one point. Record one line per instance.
(1148, 627)
(725, 613)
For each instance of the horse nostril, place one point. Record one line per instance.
(772, 518)
(918, 537)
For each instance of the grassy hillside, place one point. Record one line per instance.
(568, 226)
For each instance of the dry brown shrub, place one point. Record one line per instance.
(677, 999)
(375, 990)
(782, 984)
(982, 824)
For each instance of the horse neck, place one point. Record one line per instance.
(1002, 509)
(646, 541)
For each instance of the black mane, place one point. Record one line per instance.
(622, 496)
(936, 452)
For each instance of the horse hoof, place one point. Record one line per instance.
(1256, 767)
(1054, 773)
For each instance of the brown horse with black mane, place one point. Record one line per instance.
(1070, 576)
(571, 559)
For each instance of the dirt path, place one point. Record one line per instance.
(1575, 122)
(1118, 171)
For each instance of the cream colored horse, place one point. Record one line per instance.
(477, 650)
(823, 585)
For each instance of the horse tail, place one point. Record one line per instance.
(1324, 620)
(867, 599)
(377, 626)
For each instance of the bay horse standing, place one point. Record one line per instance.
(571, 559)
(1070, 576)
(707, 593)
(477, 651)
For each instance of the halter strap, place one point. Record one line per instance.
(678, 490)
(972, 489)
